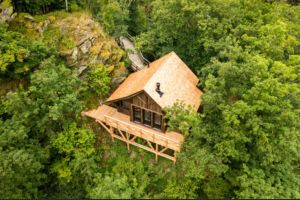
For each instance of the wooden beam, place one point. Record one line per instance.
(112, 135)
(128, 133)
(163, 150)
(149, 143)
(162, 137)
(121, 133)
(146, 148)
(174, 157)
(104, 126)
(142, 100)
(128, 144)
(132, 139)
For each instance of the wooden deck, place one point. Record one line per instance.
(119, 126)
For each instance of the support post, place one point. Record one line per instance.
(128, 144)
(175, 157)
(112, 133)
(156, 152)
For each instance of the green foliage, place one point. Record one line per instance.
(127, 179)
(139, 13)
(19, 56)
(52, 95)
(111, 187)
(244, 144)
(22, 159)
(74, 165)
(180, 189)
(28, 118)
(114, 15)
(37, 6)
(99, 80)
(181, 118)
(75, 145)
(249, 128)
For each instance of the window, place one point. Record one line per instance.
(137, 114)
(157, 121)
(147, 118)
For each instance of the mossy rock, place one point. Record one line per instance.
(69, 32)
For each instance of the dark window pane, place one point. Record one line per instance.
(137, 114)
(147, 118)
(157, 121)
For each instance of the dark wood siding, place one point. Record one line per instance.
(146, 104)
(124, 106)
(143, 100)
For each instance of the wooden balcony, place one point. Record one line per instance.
(119, 126)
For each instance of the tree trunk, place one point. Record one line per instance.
(67, 8)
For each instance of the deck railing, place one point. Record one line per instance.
(140, 132)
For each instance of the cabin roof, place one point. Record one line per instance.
(177, 82)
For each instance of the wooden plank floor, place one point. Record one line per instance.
(116, 119)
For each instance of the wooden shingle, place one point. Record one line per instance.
(177, 82)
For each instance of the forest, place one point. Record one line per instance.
(245, 142)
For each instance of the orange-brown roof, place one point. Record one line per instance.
(177, 82)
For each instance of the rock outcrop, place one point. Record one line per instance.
(90, 45)
(79, 39)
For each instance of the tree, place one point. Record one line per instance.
(98, 80)
(114, 15)
(126, 179)
(67, 5)
(249, 123)
(22, 161)
(29, 118)
(74, 158)
(18, 55)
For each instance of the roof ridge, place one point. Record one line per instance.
(163, 60)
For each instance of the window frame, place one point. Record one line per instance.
(142, 120)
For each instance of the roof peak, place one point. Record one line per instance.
(176, 80)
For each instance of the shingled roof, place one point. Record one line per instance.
(177, 82)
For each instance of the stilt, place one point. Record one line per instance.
(174, 157)
(149, 140)
(112, 133)
(128, 144)
(156, 152)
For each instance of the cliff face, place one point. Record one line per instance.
(77, 38)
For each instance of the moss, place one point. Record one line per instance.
(67, 42)
(5, 4)
(48, 36)
(120, 69)
(67, 30)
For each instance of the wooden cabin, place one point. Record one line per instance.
(135, 109)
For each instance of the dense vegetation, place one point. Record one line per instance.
(244, 143)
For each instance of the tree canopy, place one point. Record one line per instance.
(244, 142)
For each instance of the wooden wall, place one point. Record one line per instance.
(142, 100)
(145, 101)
